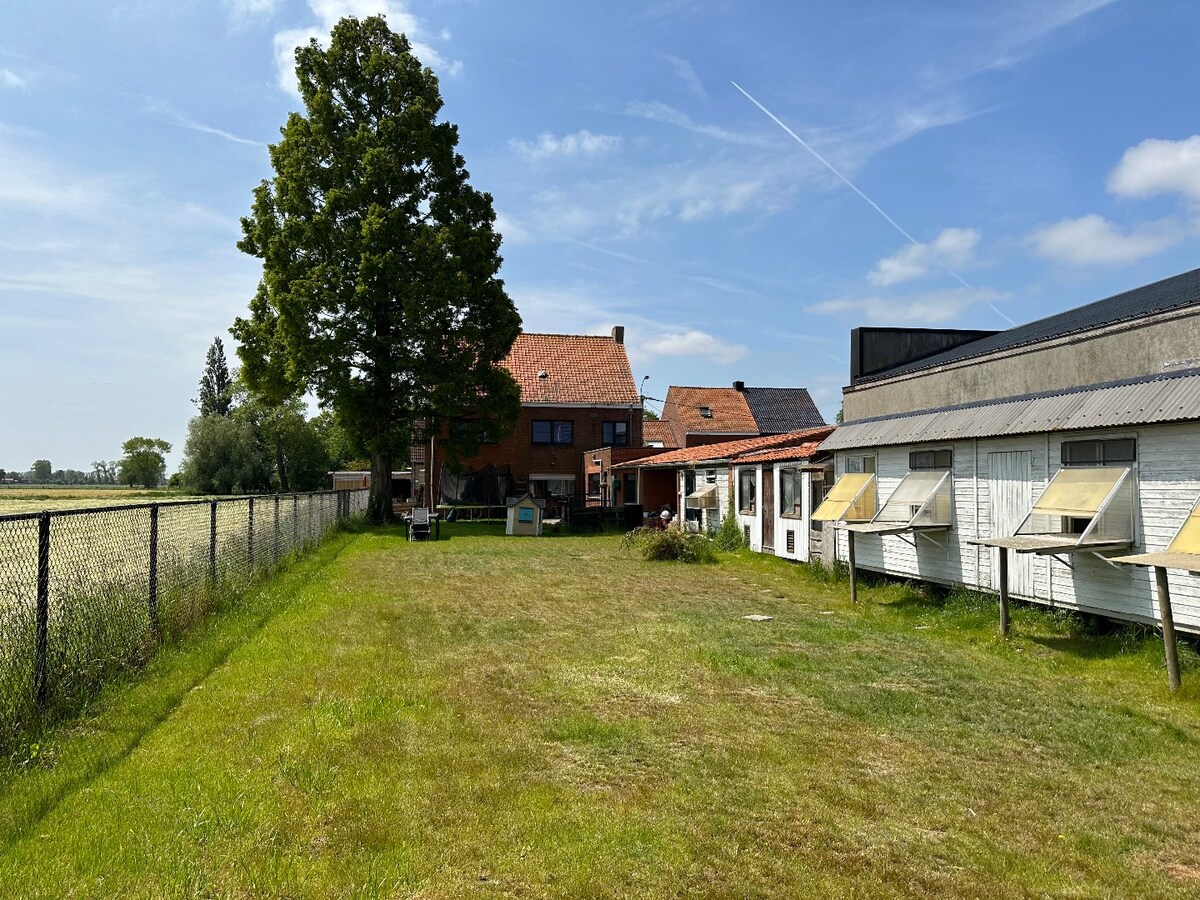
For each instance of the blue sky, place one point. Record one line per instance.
(1040, 153)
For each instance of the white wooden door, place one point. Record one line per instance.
(1010, 489)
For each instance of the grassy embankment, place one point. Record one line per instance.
(485, 716)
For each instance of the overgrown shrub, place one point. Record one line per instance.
(729, 536)
(667, 544)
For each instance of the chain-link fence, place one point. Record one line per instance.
(86, 592)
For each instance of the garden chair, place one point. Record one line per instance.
(418, 525)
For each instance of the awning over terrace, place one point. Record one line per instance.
(922, 501)
(852, 499)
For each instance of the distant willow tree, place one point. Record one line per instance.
(216, 387)
(379, 289)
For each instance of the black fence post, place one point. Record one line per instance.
(154, 566)
(212, 542)
(295, 521)
(41, 650)
(250, 540)
(275, 551)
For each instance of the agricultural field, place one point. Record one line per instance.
(486, 716)
(24, 498)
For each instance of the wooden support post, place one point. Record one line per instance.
(853, 569)
(1168, 626)
(1003, 591)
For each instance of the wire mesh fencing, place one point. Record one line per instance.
(84, 593)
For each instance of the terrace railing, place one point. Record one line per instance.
(86, 592)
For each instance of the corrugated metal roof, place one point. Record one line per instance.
(1176, 292)
(1173, 397)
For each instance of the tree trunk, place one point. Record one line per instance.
(281, 466)
(379, 504)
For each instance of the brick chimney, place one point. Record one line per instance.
(739, 386)
(619, 334)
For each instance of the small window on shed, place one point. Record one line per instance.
(1110, 452)
(930, 460)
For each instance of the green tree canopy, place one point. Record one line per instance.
(379, 289)
(144, 461)
(41, 471)
(223, 455)
(216, 387)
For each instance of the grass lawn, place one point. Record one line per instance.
(492, 717)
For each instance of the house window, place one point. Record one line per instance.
(710, 476)
(706, 412)
(558, 433)
(1110, 452)
(861, 464)
(615, 434)
(630, 488)
(747, 483)
(593, 485)
(550, 486)
(926, 460)
(791, 493)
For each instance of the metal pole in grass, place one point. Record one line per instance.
(250, 539)
(1003, 553)
(275, 549)
(853, 568)
(42, 646)
(154, 566)
(295, 521)
(1168, 626)
(212, 542)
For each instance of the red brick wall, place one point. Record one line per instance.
(525, 458)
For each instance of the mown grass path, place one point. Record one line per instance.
(488, 717)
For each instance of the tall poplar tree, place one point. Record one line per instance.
(379, 289)
(216, 387)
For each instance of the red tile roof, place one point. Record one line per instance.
(582, 369)
(730, 414)
(654, 430)
(793, 440)
(798, 453)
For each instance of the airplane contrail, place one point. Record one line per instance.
(875, 206)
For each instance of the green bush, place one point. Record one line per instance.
(729, 536)
(670, 544)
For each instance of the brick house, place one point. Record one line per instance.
(694, 416)
(577, 393)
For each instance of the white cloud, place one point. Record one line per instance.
(510, 229)
(933, 308)
(10, 79)
(1159, 167)
(655, 111)
(581, 143)
(693, 343)
(684, 71)
(330, 12)
(954, 247)
(1093, 240)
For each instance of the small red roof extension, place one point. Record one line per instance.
(580, 368)
(795, 441)
(784, 454)
(657, 430)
